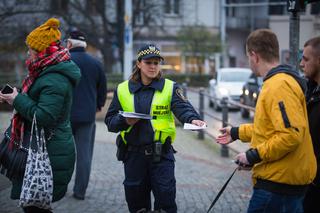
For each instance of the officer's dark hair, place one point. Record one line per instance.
(315, 44)
(136, 74)
(265, 43)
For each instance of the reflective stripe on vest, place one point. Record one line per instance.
(162, 118)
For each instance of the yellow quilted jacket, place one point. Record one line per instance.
(280, 133)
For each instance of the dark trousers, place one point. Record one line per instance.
(142, 176)
(311, 201)
(266, 201)
(33, 209)
(84, 135)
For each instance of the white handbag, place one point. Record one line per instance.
(37, 187)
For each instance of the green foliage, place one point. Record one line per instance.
(198, 41)
(113, 80)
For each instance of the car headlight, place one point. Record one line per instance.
(223, 91)
(254, 95)
(246, 92)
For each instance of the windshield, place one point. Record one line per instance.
(260, 81)
(236, 76)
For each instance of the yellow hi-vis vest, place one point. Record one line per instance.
(162, 118)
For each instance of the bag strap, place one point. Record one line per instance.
(221, 190)
(34, 128)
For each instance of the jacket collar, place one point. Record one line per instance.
(288, 69)
(313, 94)
(134, 87)
(77, 49)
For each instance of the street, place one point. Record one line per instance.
(200, 174)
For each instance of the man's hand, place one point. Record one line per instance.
(132, 121)
(9, 98)
(241, 160)
(199, 123)
(225, 137)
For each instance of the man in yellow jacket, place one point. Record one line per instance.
(281, 152)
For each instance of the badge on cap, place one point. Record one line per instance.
(152, 48)
(179, 93)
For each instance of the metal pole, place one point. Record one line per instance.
(224, 59)
(127, 40)
(201, 111)
(294, 38)
(224, 103)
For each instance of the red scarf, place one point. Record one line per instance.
(53, 54)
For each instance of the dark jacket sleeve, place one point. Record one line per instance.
(181, 107)
(101, 88)
(113, 120)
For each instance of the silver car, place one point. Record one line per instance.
(228, 83)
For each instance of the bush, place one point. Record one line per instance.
(192, 80)
(113, 80)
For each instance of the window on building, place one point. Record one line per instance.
(172, 7)
(280, 9)
(315, 9)
(232, 61)
(231, 11)
(59, 5)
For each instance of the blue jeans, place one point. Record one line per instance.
(263, 201)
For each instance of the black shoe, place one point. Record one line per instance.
(78, 197)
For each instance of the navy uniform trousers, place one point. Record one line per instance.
(143, 176)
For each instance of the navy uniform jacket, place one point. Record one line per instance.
(90, 93)
(142, 132)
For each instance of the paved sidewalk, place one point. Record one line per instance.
(200, 173)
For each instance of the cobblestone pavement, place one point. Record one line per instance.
(200, 173)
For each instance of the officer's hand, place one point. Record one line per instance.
(225, 137)
(132, 121)
(199, 123)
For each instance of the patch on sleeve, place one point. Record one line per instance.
(179, 93)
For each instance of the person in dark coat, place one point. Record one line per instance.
(46, 91)
(88, 97)
(310, 64)
(144, 145)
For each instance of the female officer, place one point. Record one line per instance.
(148, 159)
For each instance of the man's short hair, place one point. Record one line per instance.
(315, 44)
(265, 43)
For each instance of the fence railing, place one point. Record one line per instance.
(225, 102)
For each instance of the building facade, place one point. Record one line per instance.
(244, 16)
(173, 16)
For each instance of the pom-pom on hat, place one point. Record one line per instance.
(41, 37)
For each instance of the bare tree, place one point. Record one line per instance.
(101, 20)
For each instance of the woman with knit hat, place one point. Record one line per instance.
(46, 91)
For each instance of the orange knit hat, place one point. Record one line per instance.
(41, 37)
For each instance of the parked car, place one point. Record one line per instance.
(250, 92)
(228, 83)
